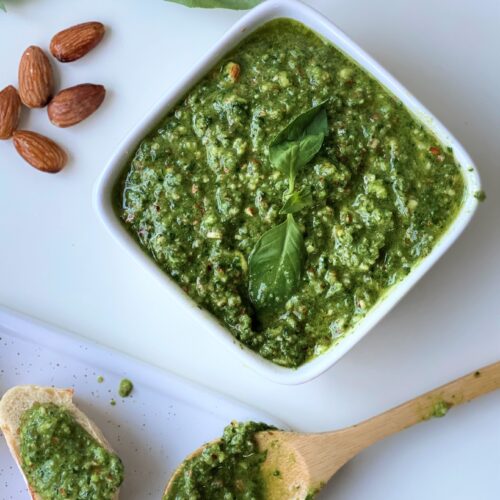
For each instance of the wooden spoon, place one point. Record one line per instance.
(298, 464)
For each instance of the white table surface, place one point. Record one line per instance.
(57, 262)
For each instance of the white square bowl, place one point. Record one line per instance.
(255, 18)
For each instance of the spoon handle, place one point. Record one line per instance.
(310, 460)
(434, 403)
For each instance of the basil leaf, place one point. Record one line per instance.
(284, 157)
(2, 6)
(222, 4)
(296, 201)
(305, 133)
(311, 122)
(309, 146)
(275, 265)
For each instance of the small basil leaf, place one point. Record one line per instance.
(284, 158)
(309, 146)
(275, 265)
(223, 4)
(290, 156)
(296, 201)
(298, 143)
(312, 122)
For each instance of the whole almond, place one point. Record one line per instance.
(10, 110)
(72, 43)
(35, 78)
(39, 151)
(74, 104)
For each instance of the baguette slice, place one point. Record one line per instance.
(21, 398)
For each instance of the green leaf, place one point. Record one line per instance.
(311, 122)
(284, 157)
(296, 201)
(309, 146)
(300, 140)
(275, 265)
(2, 6)
(222, 4)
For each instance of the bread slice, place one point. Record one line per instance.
(21, 398)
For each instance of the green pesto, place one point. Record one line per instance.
(100, 379)
(311, 495)
(125, 388)
(480, 195)
(62, 460)
(200, 190)
(227, 468)
(439, 409)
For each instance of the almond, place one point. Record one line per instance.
(10, 110)
(39, 151)
(74, 104)
(35, 78)
(72, 43)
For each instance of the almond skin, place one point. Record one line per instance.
(74, 104)
(72, 43)
(36, 80)
(10, 110)
(39, 151)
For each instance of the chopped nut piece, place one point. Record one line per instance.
(233, 71)
(214, 235)
(283, 80)
(412, 204)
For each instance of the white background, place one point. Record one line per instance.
(58, 263)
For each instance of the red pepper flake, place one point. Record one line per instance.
(434, 150)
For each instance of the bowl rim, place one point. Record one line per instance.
(315, 21)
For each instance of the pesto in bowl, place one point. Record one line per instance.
(200, 190)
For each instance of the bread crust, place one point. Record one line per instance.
(20, 398)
